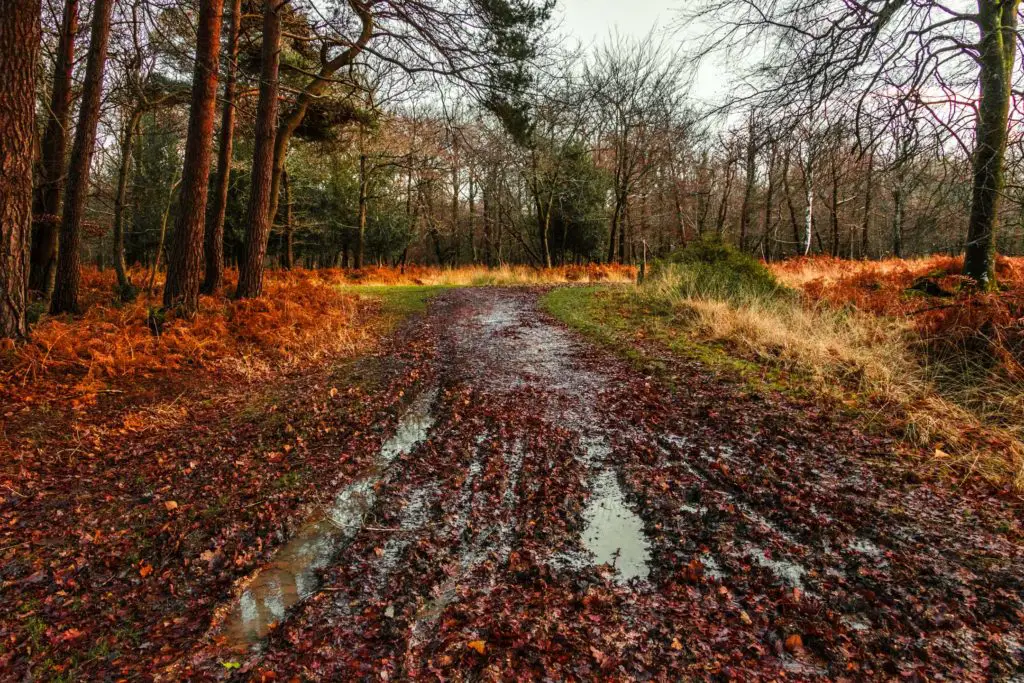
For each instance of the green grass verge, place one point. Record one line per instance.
(398, 301)
(615, 317)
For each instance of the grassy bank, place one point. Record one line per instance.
(739, 318)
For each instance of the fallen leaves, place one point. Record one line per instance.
(707, 610)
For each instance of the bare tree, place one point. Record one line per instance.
(637, 88)
(862, 55)
(142, 91)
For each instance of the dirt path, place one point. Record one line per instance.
(544, 510)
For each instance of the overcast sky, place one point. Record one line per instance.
(592, 21)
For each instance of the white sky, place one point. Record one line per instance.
(592, 21)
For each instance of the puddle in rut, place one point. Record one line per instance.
(614, 534)
(292, 574)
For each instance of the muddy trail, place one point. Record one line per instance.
(544, 510)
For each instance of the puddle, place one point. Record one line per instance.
(292, 574)
(542, 355)
(615, 534)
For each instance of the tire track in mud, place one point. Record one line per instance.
(566, 517)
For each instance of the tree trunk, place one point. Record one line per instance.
(471, 227)
(834, 209)
(746, 213)
(789, 203)
(723, 207)
(65, 290)
(897, 223)
(213, 241)
(49, 192)
(20, 35)
(545, 230)
(163, 234)
(361, 237)
(456, 187)
(998, 24)
(769, 209)
(617, 210)
(809, 187)
(488, 219)
(120, 267)
(289, 228)
(678, 202)
(259, 214)
(184, 267)
(868, 192)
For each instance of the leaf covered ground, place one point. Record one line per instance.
(768, 544)
(561, 514)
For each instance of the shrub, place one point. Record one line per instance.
(710, 268)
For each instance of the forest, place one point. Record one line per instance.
(433, 339)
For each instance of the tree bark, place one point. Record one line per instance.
(163, 233)
(769, 209)
(361, 236)
(868, 192)
(789, 203)
(65, 290)
(723, 207)
(834, 209)
(260, 212)
(289, 227)
(897, 222)
(213, 241)
(50, 190)
(184, 266)
(809, 187)
(20, 35)
(120, 267)
(746, 213)
(997, 21)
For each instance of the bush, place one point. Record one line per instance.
(710, 268)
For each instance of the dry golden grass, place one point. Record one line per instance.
(472, 276)
(854, 328)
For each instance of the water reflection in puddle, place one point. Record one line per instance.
(292, 575)
(615, 534)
